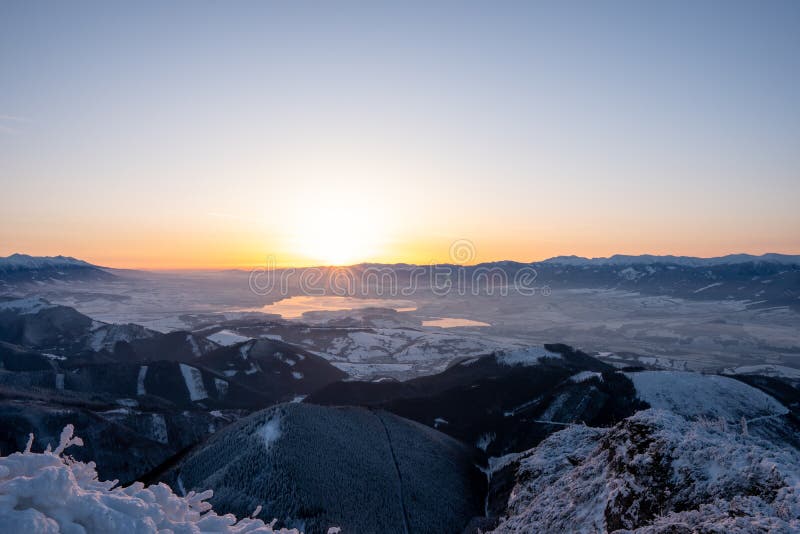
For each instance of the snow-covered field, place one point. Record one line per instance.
(676, 333)
(403, 345)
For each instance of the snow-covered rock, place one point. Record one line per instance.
(655, 472)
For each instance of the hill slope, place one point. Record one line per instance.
(312, 466)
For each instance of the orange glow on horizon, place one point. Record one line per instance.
(424, 253)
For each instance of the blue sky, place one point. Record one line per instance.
(212, 133)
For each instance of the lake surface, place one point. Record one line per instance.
(453, 322)
(295, 307)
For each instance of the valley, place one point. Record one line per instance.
(431, 413)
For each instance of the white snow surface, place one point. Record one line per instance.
(226, 338)
(49, 493)
(696, 395)
(405, 345)
(583, 376)
(106, 336)
(194, 382)
(271, 431)
(244, 350)
(140, 390)
(193, 344)
(525, 356)
(631, 478)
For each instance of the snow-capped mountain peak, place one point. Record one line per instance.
(24, 261)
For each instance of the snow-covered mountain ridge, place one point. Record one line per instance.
(24, 269)
(686, 261)
(24, 261)
(655, 472)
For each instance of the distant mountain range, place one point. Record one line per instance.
(766, 281)
(685, 261)
(21, 268)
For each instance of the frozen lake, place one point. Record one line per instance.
(453, 322)
(295, 307)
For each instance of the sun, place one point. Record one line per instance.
(338, 233)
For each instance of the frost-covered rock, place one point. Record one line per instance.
(655, 472)
(52, 493)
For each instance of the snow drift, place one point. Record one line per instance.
(50, 492)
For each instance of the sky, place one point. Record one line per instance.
(221, 134)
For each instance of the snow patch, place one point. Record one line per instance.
(158, 428)
(140, 381)
(194, 382)
(244, 350)
(227, 338)
(222, 387)
(583, 376)
(485, 440)
(270, 431)
(526, 356)
(193, 345)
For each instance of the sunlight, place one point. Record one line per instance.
(338, 231)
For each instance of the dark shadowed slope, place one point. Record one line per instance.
(316, 467)
(504, 402)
